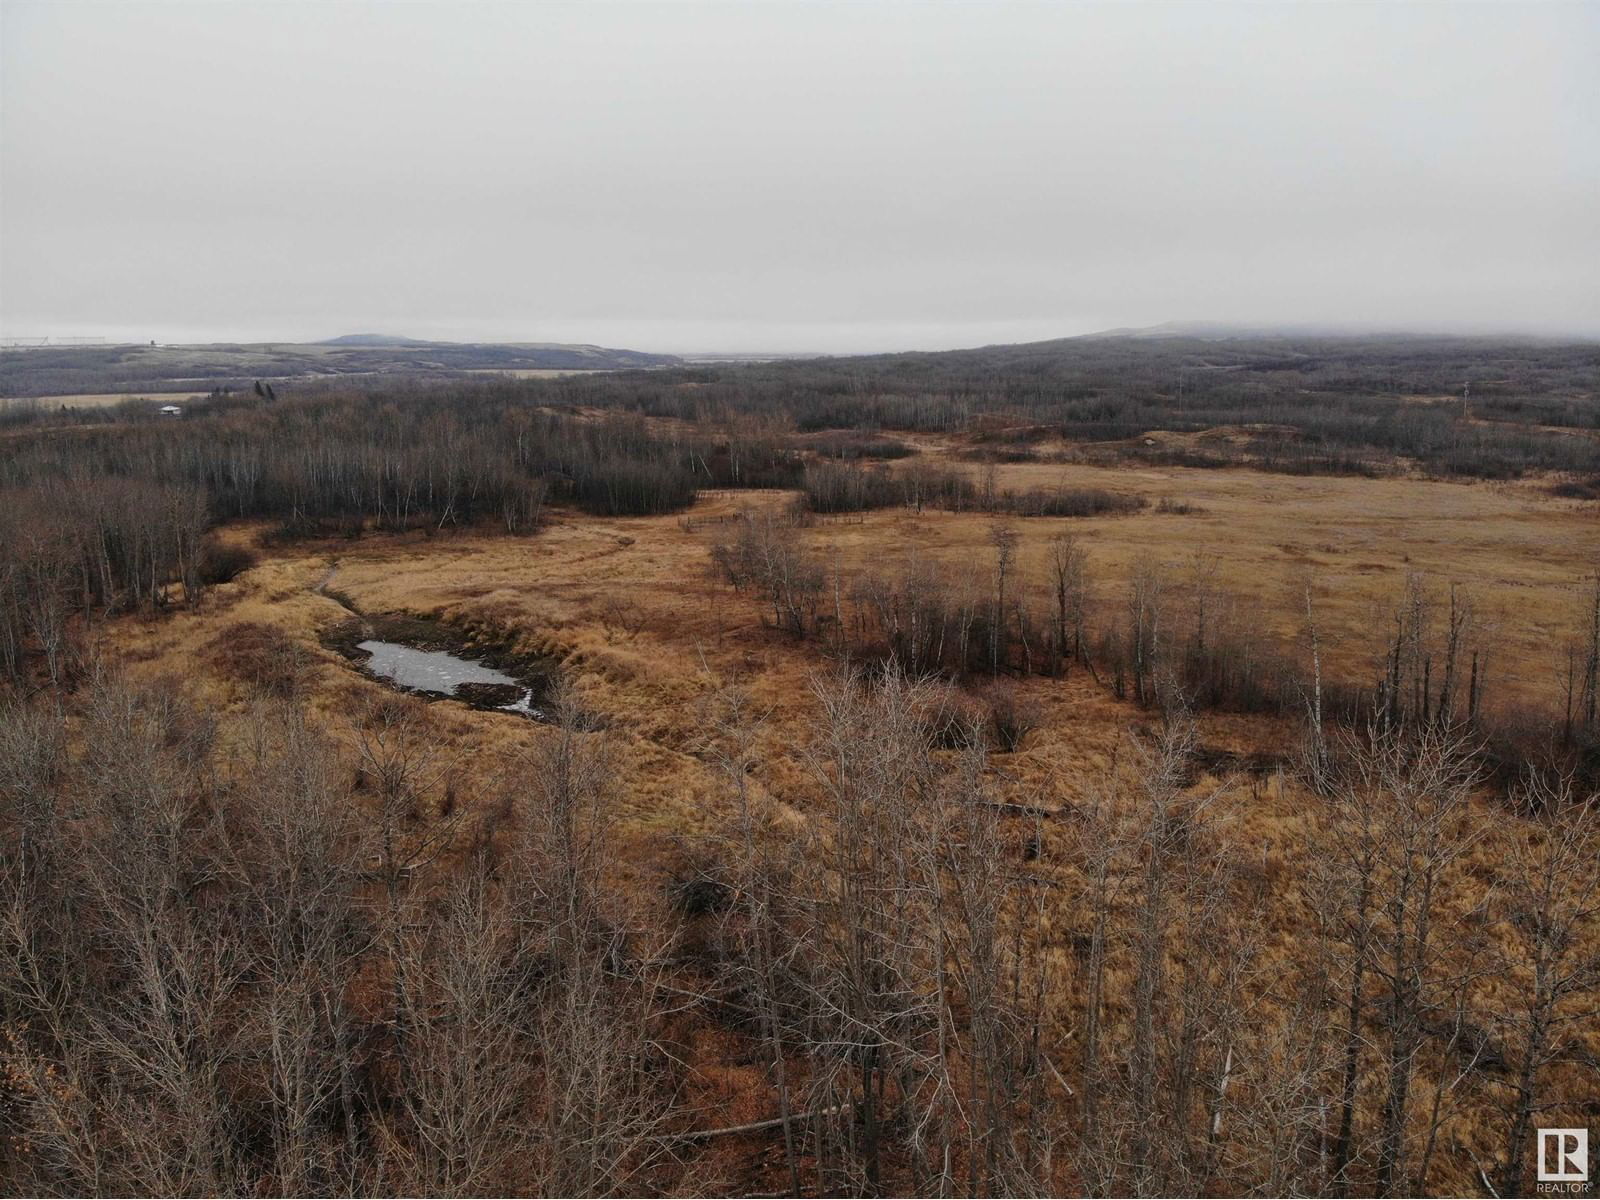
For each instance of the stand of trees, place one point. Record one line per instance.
(300, 972)
(841, 487)
(71, 548)
(293, 963)
(403, 460)
(105, 520)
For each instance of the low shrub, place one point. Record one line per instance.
(1577, 489)
(261, 656)
(223, 562)
(1011, 717)
(1069, 502)
(953, 720)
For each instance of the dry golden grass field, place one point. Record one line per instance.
(1518, 553)
(630, 605)
(650, 637)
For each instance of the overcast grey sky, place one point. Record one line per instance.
(769, 176)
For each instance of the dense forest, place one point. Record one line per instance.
(1474, 407)
(298, 948)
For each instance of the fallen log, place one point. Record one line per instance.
(1031, 810)
(760, 1126)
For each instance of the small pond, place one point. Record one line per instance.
(439, 673)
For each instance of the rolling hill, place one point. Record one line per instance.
(55, 371)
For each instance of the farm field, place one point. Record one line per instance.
(1517, 552)
(533, 372)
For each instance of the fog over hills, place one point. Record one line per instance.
(970, 174)
(1239, 331)
(371, 339)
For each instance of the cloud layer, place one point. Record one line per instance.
(794, 177)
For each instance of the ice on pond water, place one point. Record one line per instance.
(439, 673)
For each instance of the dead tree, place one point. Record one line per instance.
(1401, 826)
(1068, 564)
(760, 937)
(1003, 537)
(873, 990)
(1144, 607)
(1548, 909)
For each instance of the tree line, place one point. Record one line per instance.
(106, 519)
(1466, 407)
(841, 486)
(1472, 407)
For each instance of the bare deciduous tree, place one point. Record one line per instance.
(1548, 909)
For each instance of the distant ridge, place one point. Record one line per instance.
(576, 355)
(1221, 331)
(141, 370)
(1195, 329)
(371, 339)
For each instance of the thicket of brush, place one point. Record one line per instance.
(288, 958)
(1169, 632)
(841, 487)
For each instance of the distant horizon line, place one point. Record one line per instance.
(1165, 329)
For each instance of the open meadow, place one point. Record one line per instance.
(652, 642)
(634, 610)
